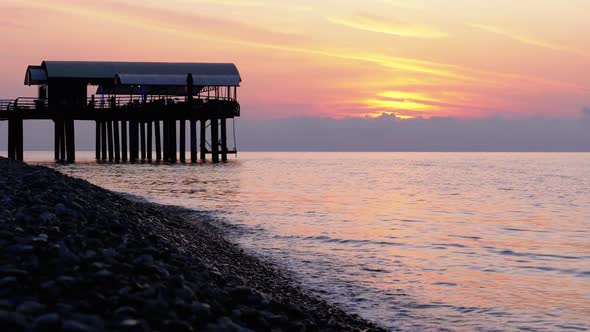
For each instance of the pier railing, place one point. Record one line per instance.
(98, 102)
(24, 103)
(5, 104)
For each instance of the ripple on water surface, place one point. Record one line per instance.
(417, 241)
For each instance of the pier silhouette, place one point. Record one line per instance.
(134, 103)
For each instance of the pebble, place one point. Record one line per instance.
(6, 305)
(124, 312)
(177, 326)
(12, 321)
(133, 325)
(30, 307)
(60, 209)
(200, 310)
(46, 217)
(12, 271)
(144, 260)
(8, 282)
(47, 323)
(41, 238)
(104, 274)
(75, 326)
(19, 249)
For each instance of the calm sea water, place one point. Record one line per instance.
(415, 241)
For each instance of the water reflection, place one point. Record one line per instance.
(414, 240)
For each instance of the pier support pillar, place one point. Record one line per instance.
(117, 141)
(132, 141)
(124, 140)
(62, 141)
(59, 143)
(203, 142)
(158, 143)
(136, 140)
(136, 153)
(97, 140)
(110, 140)
(103, 140)
(15, 139)
(165, 140)
(19, 139)
(173, 145)
(215, 140)
(193, 139)
(182, 141)
(149, 141)
(223, 139)
(56, 138)
(142, 139)
(70, 140)
(11, 140)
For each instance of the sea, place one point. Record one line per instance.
(413, 241)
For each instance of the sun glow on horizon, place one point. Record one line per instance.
(390, 114)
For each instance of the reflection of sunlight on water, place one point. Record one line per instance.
(414, 240)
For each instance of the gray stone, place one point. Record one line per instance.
(19, 249)
(8, 282)
(75, 326)
(124, 312)
(46, 217)
(30, 307)
(133, 325)
(10, 271)
(6, 305)
(60, 209)
(145, 260)
(41, 238)
(177, 326)
(200, 310)
(92, 321)
(104, 274)
(12, 321)
(50, 322)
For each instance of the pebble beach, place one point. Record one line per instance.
(77, 257)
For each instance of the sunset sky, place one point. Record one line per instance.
(334, 58)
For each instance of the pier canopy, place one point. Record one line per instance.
(35, 75)
(147, 73)
(65, 82)
(165, 84)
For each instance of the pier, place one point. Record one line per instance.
(140, 109)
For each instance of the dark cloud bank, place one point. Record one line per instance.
(385, 133)
(436, 134)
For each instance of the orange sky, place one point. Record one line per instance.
(465, 58)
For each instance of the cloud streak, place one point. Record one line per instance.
(252, 4)
(230, 31)
(528, 40)
(171, 21)
(373, 23)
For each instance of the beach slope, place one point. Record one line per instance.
(77, 257)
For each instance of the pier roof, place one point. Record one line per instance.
(215, 74)
(178, 80)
